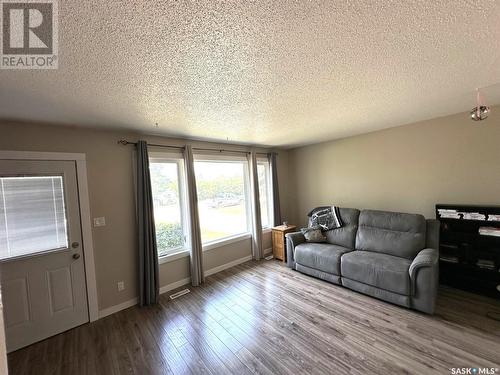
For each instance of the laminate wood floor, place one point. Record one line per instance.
(261, 317)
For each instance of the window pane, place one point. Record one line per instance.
(221, 199)
(167, 206)
(263, 173)
(32, 215)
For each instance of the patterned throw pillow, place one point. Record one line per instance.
(313, 234)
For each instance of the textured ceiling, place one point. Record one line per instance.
(279, 73)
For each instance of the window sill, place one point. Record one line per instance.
(267, 230)
(211, 246)
(226, 241)
(174, 256)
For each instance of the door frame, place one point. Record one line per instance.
(85, 218)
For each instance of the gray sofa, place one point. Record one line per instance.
(387, 255)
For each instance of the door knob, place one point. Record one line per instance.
(76, 256)
(74, 245)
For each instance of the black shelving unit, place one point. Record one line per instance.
(469, 260)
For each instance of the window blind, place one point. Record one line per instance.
(32, 215)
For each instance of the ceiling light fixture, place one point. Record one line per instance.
(481, 111)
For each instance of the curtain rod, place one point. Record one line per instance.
(125, 143)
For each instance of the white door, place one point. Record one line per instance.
(41, 257)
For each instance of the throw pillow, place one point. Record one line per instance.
(313, 234)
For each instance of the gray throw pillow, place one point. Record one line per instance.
(313, 234)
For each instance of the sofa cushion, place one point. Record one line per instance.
(376, 269)
(392, 233)
(373, 291)
(320, 256)
(335, 279)
(345, 235)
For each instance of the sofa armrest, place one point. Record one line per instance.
(424, 277)
(292, 240)
(425, 258)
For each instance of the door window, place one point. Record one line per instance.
(32, 215)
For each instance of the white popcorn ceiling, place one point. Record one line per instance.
(280, 73)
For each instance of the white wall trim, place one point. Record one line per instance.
(167, 288)
(226, 241)
(39, 155)
(134, 301)
(227, 265)
(184, 253)
(175, 285)
(114, 309)
(173, 257)
(83, 196)
(88, 243)
(268, 251)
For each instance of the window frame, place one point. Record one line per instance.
(229, 158)
(269, 193)
(171, 158)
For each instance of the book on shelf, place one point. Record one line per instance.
(493, 217)
(449, 216)
(473, 216)
(446, 213)
(448, 258)
(486, 264)
(449, 246)
(489, 231)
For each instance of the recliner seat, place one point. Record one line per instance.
(324, 257)
(380, 270)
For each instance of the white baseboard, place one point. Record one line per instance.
(172, 286)
(166, 288)
(228, 265)
(268, 251)
(132, 302)
(114, 309)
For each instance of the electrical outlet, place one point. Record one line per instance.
(99, 221)
(121, 285)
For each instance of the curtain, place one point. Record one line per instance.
(149, 284)
(196, 256)
(257, 250)
(275, 187)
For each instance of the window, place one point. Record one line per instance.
(265, 193)
(167, 185)
(222, 190)
(32, 215)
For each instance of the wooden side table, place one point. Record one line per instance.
(279, 242)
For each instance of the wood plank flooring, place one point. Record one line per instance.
(263, 318)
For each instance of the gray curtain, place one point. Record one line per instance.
(257, 251)
(275, 187)
(196, 258)
(149, 284)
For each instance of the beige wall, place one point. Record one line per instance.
(110, 180)
(410, 168)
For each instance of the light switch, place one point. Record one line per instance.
(99, 221)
